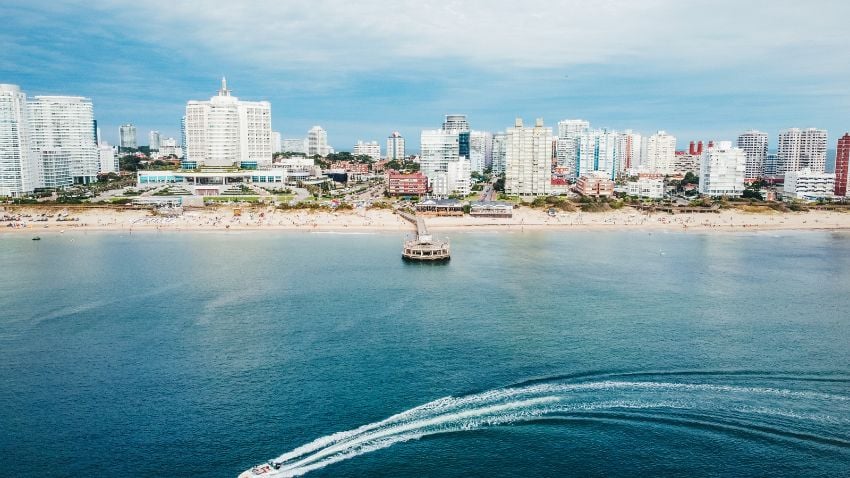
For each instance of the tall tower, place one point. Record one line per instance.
(19, 173)
(395, 146)
(754, 143)
(842, 166)
(528, 159)
(801, 149)
(127, 136)
(61, 129)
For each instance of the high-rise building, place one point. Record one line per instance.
(63, 136)
(629, 151)
(754, 143)
(480, 150)
(437, 148)
(183, 132)
(842, 166)
(153, 140)
(572, 128)
(127, 136)
(317, 142)
(395, 147)
(19, 170)
(458, 177)
(567, 145)
(371, 149)
(660, 153)
(801, 149)
(528, 159)
(227, 132)
(597, 153)
(456, 123)
(277, 142)
(107, 158)
(499, 152)
(722, 170)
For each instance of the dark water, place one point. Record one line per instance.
(535, 354)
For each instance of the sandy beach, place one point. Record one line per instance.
(32, 219)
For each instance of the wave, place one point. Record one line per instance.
(803, 416)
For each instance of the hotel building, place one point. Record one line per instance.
(754, 144)
(722, 170)
(528, 159)
(19, 171)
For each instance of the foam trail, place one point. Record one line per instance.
(825, 417)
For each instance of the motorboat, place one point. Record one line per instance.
(263, 469)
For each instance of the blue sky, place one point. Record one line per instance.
(699, 69)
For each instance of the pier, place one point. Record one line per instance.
(424, 247)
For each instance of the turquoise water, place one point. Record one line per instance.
(529, 354)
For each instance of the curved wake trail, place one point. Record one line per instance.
(801, 415)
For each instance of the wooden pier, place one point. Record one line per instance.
(424, 247)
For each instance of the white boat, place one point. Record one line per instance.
(263, 469)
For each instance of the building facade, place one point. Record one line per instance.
(800, 149)
(597, 153)
(438, 147)
(499, 152)
(400, 184)
(528, 159)
(127, 136)
(19, 170)
(153, 140)
(842, 166)
(722, 170)
(660, 153)
(809, 185)
(395, 147)
(62, 128)
(227, 132)
(317, 142)
(371, 149)
(754, 144)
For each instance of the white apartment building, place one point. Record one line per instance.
(660, 153)
(153, 140)
(277, 142)
(528, 159)
(597, 153)
(572, 128)
(395, 147)
(107, 158)
(480, 150)
(19, 169)
(317, 142)
(567, 145)
(801, 149)
(371, 149)
(62, 129)
(227, 132)
(809, 184)
(438, 147)
(754, 143)
(297, 145)
(458, 177)
(651, 188)
(169, 147)
(722, 170)
(499, 152)
(456, 123)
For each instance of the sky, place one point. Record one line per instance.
(363, 69)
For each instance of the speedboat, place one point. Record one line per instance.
(263, 469)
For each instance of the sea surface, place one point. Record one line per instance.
(529, 354)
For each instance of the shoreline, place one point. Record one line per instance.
(222, 219)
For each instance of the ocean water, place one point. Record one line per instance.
(529, 354)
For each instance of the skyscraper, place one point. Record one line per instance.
(317, 141)
(480, 150)
(629, 151)
(722, 169)
(127, 136)
(437, 148)
(368, 148)
(62, 135)
(277, 142)
(660, 153)
(456, 123)
(499, 152)
(842, 166)
(528, 159)
(597, 153)
(153, 140)
(395, 147)
(801, 149)
(754, 144)
(225, 131)
(19, 173)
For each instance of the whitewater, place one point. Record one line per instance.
(797, 414)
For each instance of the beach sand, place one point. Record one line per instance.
(267, 218)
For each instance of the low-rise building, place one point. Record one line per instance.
(491, 209)
(406, 184)
(440, 207)
(646, 188)
(593, 185)
(809, 185)
(212, 182)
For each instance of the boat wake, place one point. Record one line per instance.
(779, 407)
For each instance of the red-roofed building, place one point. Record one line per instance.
(401, 184)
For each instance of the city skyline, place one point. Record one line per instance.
(696, 70)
